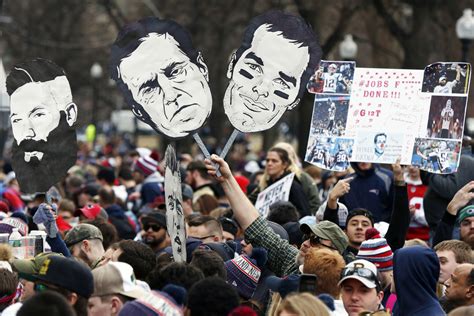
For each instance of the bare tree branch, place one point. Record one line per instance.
(114, 13)
(393, 26)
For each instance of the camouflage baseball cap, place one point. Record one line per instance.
(82, 232)
(330, 231)
(28, 267)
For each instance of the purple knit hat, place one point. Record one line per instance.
(244, 272)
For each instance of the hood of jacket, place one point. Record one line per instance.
(115, 210)
(363, 173)
(416, 272)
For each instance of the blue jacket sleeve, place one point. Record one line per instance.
(444, 231)
(400, 218)
(58, 245)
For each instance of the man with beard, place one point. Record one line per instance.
(458, 213)
(42, 117)
(154, 232)
(85, 243)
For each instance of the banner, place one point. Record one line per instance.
(417, 115)
(279, 191)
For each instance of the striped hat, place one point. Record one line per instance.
(146, 165)
(376, 250)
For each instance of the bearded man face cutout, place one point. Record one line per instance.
(42, 116)
(163, 78)
(269, 72)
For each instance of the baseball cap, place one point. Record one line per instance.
(330, 231)
(333, 66)
(467, 211)
(155, 217)
(82, 232)
(91, 211)
(361, 270)
(66, 273)
(361, 212)
(442, 78)
(116, 278)
(28, 267)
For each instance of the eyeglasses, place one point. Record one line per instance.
(315, 241)
(362, 272)
(154, 227)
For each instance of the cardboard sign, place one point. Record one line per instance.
(174, 206)
(417, 115)
(269, 71)
(278, 191)
(162, 77)
(42, 116)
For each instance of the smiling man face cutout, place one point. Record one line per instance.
(163, 78)
(269, 71)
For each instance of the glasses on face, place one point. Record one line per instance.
(154, 227)
(315, 241)
(362, 272)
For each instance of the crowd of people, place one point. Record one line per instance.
(372, 240)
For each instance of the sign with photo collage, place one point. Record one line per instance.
(378, 115)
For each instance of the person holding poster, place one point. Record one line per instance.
(447, 86)
(447, 114)
(278, 166)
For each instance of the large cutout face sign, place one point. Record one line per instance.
(163, 78)
(269, 71)
(42, 115)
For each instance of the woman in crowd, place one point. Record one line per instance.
(278, 165)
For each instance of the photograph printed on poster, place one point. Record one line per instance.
(446, 117)
(332, 77)
(447, 78)
(436, 155)
(378, 146)
(329, 115)
(331, 153)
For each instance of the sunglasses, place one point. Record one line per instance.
(154, 227)
(362, 272)
(315, 241)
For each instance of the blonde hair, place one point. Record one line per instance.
(302, 304)
(415, 242)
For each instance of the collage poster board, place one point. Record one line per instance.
(417, 115)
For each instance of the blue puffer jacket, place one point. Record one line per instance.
(371, 189)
